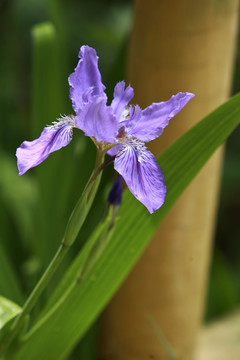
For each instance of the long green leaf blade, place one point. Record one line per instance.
(181, 161)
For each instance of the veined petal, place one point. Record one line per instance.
(86, 80)
(142, 174)
(97, 119)
(121, 98)
(52, 138)
(156, 117)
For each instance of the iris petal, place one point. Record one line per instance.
(86, 80)
(97, 119)
(156, 117)
(114, 150)
(142, 174)
(135, 114)
(121, 98)
(52, 138)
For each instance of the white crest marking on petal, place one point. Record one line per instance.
(138, 145)
(65, 120)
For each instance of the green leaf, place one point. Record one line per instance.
(8, 310)
(180, 163)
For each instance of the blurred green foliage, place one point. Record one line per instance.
(26, 108)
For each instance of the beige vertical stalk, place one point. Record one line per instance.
(185, 45)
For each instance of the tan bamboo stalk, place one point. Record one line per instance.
(185, 45)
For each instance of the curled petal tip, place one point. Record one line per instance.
(191, 95)
(85, 76)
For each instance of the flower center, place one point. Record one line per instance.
(122, 133)
(138, 146)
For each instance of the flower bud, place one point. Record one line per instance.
(115, 195)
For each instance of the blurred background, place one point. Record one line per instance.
(104, 25)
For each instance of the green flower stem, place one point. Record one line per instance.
(96, 249)
(84, 203)
(73, 227)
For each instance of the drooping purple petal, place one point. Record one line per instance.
(97, 119)
(86, 80)
(52, 138)
(156, 117)
(121, 98)
(142, 174)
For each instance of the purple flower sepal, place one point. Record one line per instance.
(122, 128)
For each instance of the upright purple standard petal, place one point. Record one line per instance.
(156, 117)
(86, 80)
(121, 98)
(97, 119)
(142, 174)
(52, 138)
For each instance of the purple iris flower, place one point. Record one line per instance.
(125, 128)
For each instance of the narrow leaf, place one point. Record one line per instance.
(8, 310)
